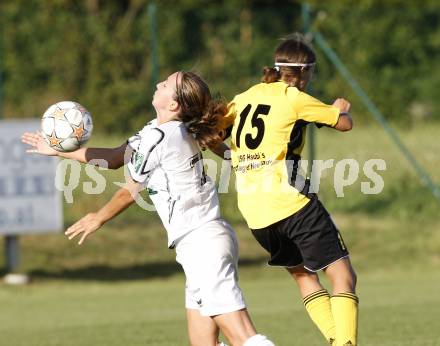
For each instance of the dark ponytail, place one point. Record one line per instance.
(270, 75)
(201, 114)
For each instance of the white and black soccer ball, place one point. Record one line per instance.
(66, 126)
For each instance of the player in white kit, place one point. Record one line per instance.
(165, 158)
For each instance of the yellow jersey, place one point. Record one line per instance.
(268, 134)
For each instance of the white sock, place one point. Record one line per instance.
(258, 340)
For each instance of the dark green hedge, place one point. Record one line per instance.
(99, 52)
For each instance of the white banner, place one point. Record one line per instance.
(29, 201)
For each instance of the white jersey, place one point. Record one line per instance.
(167, 159)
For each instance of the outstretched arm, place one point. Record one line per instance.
(120, 201)
(113, 156)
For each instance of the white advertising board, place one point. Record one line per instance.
(29, 201)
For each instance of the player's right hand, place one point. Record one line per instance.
(38, 144)
(84, 227)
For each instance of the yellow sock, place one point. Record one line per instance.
(345, 314)
(318, 306)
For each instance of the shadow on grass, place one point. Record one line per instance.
(135, 272)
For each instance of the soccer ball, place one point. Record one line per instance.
(66, 126)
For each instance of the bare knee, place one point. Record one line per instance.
(342, 276)
(308, 282)
(202, 330)
(351, 277)
(346, 282)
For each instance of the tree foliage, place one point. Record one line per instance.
(99, 52)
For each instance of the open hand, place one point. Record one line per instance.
(83, 227)
(38, 144)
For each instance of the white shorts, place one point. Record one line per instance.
(209, 256)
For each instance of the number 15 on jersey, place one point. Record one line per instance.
(257, 121)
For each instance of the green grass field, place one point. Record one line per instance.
(123, 286)
(397, 308)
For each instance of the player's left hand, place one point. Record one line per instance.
(83, 227)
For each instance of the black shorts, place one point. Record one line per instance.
(308, 237)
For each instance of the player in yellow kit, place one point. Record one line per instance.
(268, 130)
